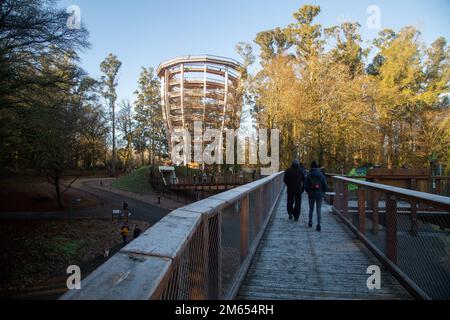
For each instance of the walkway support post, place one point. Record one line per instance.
(258, 210)
(438, 186)
(391, 228)
(375, 212)
(266, 200)
(212, 234)
(362, 210)
(337, 200)
(244, 235)
(344, 199)
(413, 218)
(413, 184)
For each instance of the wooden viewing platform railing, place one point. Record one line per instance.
(205, 250)
(200, 251)
(212, 182)
(433, 184)
(413, 247)
(194, 187)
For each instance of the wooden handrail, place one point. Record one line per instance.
(389, 177)
(180, 257)
(390, 253)
(432, 199)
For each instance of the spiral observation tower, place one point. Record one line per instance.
(200, 88)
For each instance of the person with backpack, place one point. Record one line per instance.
(315, 186)
(294, 179)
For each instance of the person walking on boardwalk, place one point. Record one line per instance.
(294, 179)
(315, 186)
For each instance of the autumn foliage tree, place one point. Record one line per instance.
(332, 104)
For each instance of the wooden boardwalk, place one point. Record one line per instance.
(297, 262)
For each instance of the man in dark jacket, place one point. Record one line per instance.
(315, 186)
(294, 178)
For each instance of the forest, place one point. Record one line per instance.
(333, 99)
(55, 117)
(345, 104)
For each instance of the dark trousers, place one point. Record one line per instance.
(318, 202)
(294, 204)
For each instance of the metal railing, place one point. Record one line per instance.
(407, 230)
(200, 251)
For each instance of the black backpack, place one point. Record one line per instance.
(314, 183)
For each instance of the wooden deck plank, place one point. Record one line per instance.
(297, 262)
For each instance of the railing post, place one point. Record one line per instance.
(413, 218)
(272, 183)
(336, 197)
(258, 209)
(391, 228)
(375, 212)
(413, 184)
(266, 200)
(344, 199)
(361, 210)
(213, 240)
(370, 199)
(337, 200)
(438, 186)
(244, 234)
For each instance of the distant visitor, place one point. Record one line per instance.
(294, 178)
(315, 186)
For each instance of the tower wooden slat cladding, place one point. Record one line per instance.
(200, 88)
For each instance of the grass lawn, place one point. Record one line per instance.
(137, 181)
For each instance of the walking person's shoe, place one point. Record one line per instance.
(318, 227)
(310, 224)
(296, 218)
(290, 216)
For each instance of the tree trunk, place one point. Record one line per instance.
(93, 161)
(151, 152)
(114, 139)
(56, 180)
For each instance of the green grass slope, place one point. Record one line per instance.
(137, 181)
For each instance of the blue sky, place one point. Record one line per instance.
(145, 33)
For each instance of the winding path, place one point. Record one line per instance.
(109, 200)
